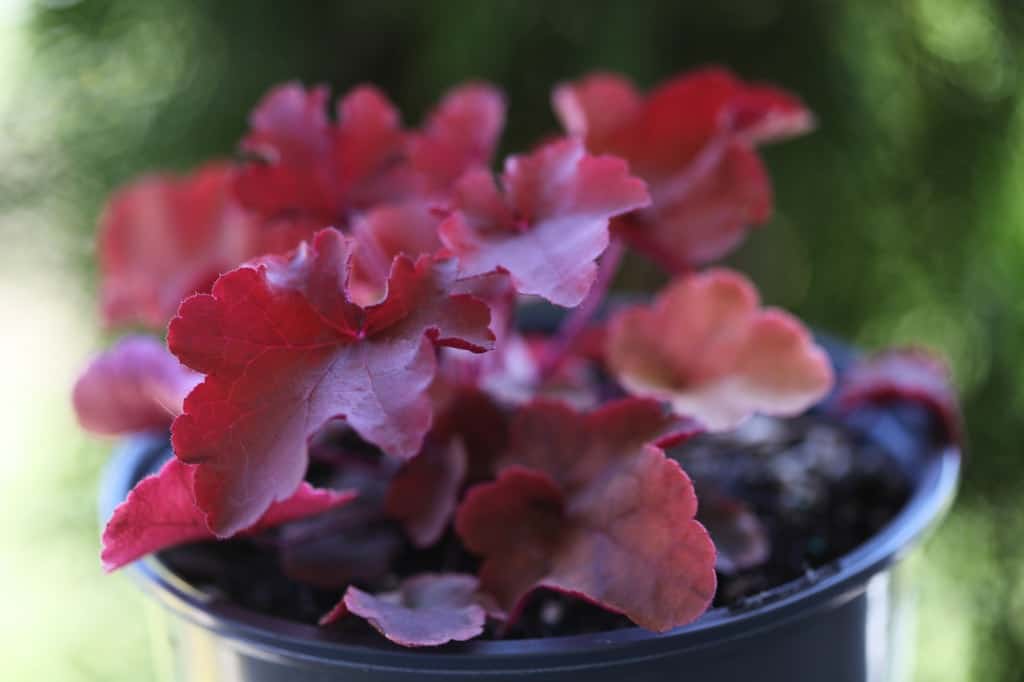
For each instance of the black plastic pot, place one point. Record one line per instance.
(848, 623)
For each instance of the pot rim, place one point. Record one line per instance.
(934, 484)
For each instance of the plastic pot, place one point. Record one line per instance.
(849, 622)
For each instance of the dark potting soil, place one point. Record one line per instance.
(782, 498)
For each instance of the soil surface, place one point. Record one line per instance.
(782, 498)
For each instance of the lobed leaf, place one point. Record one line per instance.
(464, 412)
(706, 347)
(548, 225)
(285, 351)
(160, 512)
(306, 166)
(163, 238)
(425, 491)
(354, 542)
(692, 140)
(460, 134)
(704, 214)
(325, 171)
(380, 235)
(427, 610)
(586, 506)
(136, 385)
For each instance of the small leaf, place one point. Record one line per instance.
(586, 507)
(285, 351)
(463, 412)
(424, 493)
(705, 347)
(160, 512)
(550, 224)
(134, 386)
(427, 610)
(163, 238)
(354, 542)
(905, 374)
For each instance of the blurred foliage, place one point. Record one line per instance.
(900, 220)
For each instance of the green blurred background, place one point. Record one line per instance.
(901, 219)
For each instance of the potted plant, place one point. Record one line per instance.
(382, 465)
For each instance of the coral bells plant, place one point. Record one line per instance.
(344, 375)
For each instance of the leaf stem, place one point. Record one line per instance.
(577, 321)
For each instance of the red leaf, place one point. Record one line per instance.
(425, 492)
(704, 214)
(549, 226)
(321, 171)
(370, 149)
(160, 512)
(290, 133)
(311, 168)
(427, 610)
(285, 351)
(354, 542)
(496, 290)
(905, 374)
(706, 347)
(597, 108)
(518, 524)
(691, 139)
(460, 134)
(163, 238)
(586, 507)
(332, 550)
(464, 412)
(381, 234)
(134, 386)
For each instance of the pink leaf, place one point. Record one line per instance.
(692, 140)
(585, 506)
(425, 491)
(163, 238)
(460, 134)
(549, 226)
(308, 167)
(285, 351)
(160, 512)
(381, 234)
(291, 136)
(354, 542)
(905, 374)
(597, 107)
(706, 347)
(134, 386)
(370, 149)
(706, 214)
(465, 413)
(427, 610)
(334, 549)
